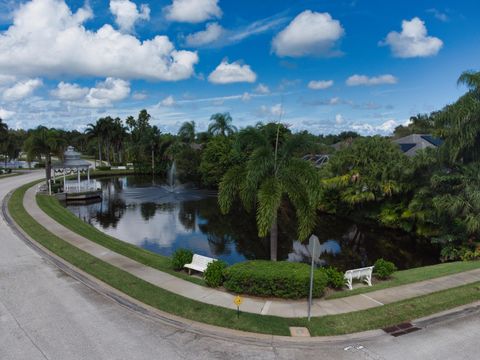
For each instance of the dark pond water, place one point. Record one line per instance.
(146, 213)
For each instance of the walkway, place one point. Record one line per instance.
(284, 308)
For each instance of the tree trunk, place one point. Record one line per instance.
(153, 161)
(99, 152)
(274, 241)
(48, 167)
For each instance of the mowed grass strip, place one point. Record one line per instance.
(52, 207)
(161, 299)
(409, 276)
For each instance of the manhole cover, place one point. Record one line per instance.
(299, 331)
(401, 329)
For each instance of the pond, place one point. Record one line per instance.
(145, 212)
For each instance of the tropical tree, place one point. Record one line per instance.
(47, 143)
(93, 131)
(187, 132)
(221, 124)
(3, 138)
(271, 178)
(459, 123)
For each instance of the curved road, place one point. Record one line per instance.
(45, 314)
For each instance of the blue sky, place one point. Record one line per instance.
(324, 66)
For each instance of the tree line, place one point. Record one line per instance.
(435, 194)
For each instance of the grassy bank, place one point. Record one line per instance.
(52, 207)
(328, 325)
(409, 276)
(3, 176)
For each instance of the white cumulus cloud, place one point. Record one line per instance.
(412, 41)
(310, 33)
(339, 119)
(69, 92)
(47, 38)
(193, 11)
(385, 128)
(212, 33)
(6, 114)
(227, 73)
(262, 89)
(356, 80)
(127, 14)
(21, 89)
(320, 84)
(168, 101)
(107, 92)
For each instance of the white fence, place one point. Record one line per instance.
(72, 186)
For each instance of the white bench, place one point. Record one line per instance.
(364, 274)
(199, 263)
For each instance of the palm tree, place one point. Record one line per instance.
(45, 142)
(93, 131)
(459, 123)
(3, 127)
(221, 124)
(3, 139)
(187, 132)
(271, 175)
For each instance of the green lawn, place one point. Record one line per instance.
(410, 276)
(52, 207)
(149, 294)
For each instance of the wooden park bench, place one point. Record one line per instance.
(364, 274)
(199, 263)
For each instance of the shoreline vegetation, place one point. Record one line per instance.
(378, 317)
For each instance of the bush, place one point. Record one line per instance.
(470, 255)
(180, 258)
(40, 165)
(335, 278)
(384, 269)
(280, 279)
(214, 273)
(103, 168)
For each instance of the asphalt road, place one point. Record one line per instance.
(45, 314)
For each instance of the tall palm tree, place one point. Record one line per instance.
(459, 123)
(221, 124)
(187, 132)
(3, 139)
(271, 175)
(3, 127)
(93, 132)
(45, 142)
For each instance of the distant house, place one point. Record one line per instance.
(412, 143)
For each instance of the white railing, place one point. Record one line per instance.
(72, 186)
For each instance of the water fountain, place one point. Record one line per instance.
(172, 177)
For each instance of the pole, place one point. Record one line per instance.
(311, 282)
(78, 179)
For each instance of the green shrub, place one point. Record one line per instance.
(214, 273)
(336, 279)
(470, 255)
(280, 279)
(103, 168)
(384, 269)
(180, 258)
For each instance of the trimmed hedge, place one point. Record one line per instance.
(181, 257)
(278, 279)
(214, 273)
(384, 269)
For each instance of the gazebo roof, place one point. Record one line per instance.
(71, 160)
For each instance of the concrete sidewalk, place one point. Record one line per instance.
(284, 308)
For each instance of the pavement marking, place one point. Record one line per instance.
(266, 307)
(375, 301)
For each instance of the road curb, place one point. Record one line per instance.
(203, 329)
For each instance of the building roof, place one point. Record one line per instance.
(72, 160)
(412, 143)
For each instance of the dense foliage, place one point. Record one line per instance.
(384, 269)
(181, 257)
(214, 273)
(435, 194)
(279, 279)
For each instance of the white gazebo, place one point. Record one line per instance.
(72, 163)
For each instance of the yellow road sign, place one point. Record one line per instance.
(238, 300)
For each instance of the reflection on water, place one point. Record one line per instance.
(143, 212)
